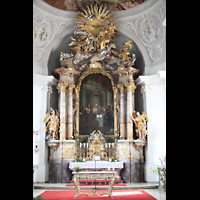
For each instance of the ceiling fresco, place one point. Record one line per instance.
(77, 5)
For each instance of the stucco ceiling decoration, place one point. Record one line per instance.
(77, 5)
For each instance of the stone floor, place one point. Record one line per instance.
(151, 188)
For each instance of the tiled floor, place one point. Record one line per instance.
(159, 194)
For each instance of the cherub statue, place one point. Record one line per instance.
(53, 121)
(140, 124)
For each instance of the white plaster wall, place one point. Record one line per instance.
(156, 144)
(158, 122)
(36, 120)
(153, 90)
(42, 93)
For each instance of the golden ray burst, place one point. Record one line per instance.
(96, 20)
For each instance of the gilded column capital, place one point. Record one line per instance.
(121, 87)
(62, 87)
(130, 86)
(70, 87)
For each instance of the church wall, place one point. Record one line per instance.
(36, 122)
(154, 104)
(156, 144)
(42, 91)
(158, 124)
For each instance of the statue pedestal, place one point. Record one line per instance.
(131, 153)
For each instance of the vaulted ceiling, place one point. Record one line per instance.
(77, 5)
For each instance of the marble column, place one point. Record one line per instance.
(130, 88)
(70, 112)
(122, 112)
(62, 90)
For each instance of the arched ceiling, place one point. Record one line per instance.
(77, 5)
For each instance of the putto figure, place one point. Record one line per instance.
(53, 124)
(140, 124)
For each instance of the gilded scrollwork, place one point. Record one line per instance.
(130, 86)
(62, 87)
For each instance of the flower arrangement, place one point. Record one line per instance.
(114, 159)
(161, 171)
(79, 160)
(77, 169)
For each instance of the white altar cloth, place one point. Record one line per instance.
(99, 164)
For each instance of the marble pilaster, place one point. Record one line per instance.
(130, 88)
(62, 90)
(122, 111)
(70, 112)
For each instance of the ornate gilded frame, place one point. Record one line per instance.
(96, 68)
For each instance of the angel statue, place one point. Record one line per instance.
(53, 121)
(140, 124)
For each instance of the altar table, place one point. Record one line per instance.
(98, 164)
(94, 175)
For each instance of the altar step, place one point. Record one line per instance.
(62, 186)
(98, 181)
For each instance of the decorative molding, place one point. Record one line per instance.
(44, 30)
(49, 91)
(144, 7)
(148, 82)
(52, 10)
(145, 88)
(43, 80)
(151, 33)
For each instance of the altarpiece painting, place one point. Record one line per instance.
(96, 110)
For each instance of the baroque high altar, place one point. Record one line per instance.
(96, 119)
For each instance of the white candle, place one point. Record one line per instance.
(80, 144)
(83, 144)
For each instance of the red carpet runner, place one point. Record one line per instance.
(96, 185)
(118, 195)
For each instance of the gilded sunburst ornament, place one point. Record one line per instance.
(96, 25)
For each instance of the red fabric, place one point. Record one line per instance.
(98, 185)
(97, 181)
(118, 195)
